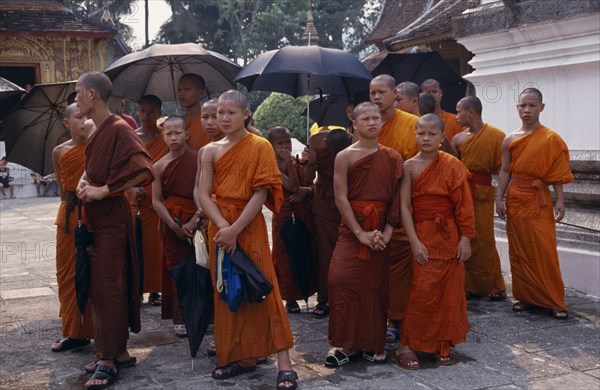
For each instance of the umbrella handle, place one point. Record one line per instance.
(79, 221)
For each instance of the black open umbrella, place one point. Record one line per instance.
(83, 239)
(156, 70)
(297, 240)
(329, 110)
(139, 245)
(10, 95)
(195, 293)
(418, 67)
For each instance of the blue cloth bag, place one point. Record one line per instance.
(229, 283)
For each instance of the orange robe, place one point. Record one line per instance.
(151, 242)
(114, 155)
(255, 329)
(399, 133)
(178, 180)
(482, 155)
(538, 160)
(302, 211)
(198, 137)
(436, 316)
(451, 126)
(358, 277)
(72, 165)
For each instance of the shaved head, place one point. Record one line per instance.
(153, 100)
(431, 118)
(533, 91)
(388, 80)
(338, 140)
(408, 89)
(277, 130)
(175, 119)
(426, 103)
(430, 83)
(361, 107)
(195, 79)
(234, 96)
(471, 102)
(97, 81)
(70, 110)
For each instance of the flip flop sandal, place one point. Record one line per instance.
(180, 331)
(370, 357)
(405, 358)
(287, 376)
(231, 370)
(336, 358)
(501, 296)
(211, 350)
(261, 360)
(67, 343)
(106, 373)
(556, 312)
(155, 299)
(292, 307)
(446, 360)
(127, 363)
(520, 306)
(322, 307)
(392, 335)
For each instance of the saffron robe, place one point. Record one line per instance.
(327, 218)
(451, 126)
(151, 242)
(358, 287)
(482, 155)
(178, 180)
(114, 155)
(255, 329)
(436, 316)
(198, 137)
(72, 165)
(538, 160)
(288, 285)
(399, 133)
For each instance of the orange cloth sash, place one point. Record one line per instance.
(479, 178)
(371, 211)
(181, 208)
(526, 183)
(434, 208)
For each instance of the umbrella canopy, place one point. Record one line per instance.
(306, 70)
(156, 70)
(195, 293)
(31, 131)
(297, 240)
(83, 239)
(10, 95)
(329, 110)
(418, 67)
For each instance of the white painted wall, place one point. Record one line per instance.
(562, 59)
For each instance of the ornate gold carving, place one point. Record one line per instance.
(26, 49)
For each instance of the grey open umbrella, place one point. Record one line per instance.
(156, 70)
(10, 95)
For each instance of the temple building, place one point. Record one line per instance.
(43, 41)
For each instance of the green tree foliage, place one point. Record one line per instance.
(282, 110)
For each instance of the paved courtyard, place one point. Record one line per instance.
(504, 350)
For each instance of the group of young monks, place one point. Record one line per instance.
(402, 230)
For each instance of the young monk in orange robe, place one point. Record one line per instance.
(190, 90)
(240, 171)
(173, 200)
(480, 148)
(367, 184)
(533, 158)
(149, 112)
(436, 188)
(69, 162)
(398, 133)
(297, 196)
(451, 126)
(116, 160)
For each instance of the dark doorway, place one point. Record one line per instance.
(20, 75)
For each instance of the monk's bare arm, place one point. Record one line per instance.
(504, 178)
(56, 154)
(419, 250)
(311, 167)
(205, 188)
(197, 184)
(559, 206)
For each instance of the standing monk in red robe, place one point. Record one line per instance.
(240, 171)
(116, 160)
(69, 162)
(173, 200)
(149, 112)
(367, 179)
(398, 133)
(451, 126)
(533, 158)
(480, 149)
(190, 90)
(436, 189)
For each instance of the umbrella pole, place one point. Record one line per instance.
(172, 71)
(308, 108)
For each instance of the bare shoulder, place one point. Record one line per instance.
(513, 136)
(460, 138)
(61, 149)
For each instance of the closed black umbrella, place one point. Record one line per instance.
(418, 67)
(83, 239)
(195, 293)
(139, 245)
(254, 284)
(297, 240)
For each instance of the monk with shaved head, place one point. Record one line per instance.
(433, 87)
(407, 97)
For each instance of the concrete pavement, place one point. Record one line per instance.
(504, 350)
